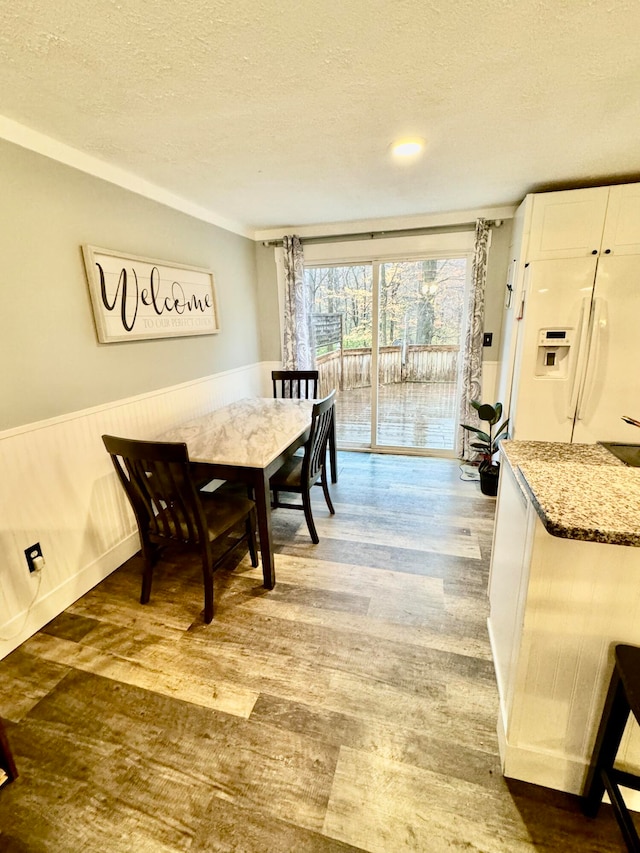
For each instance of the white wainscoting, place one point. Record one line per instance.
(59, 489)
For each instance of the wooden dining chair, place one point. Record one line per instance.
(298, 474)
(157, 478)
(295, 384)
(304, 385)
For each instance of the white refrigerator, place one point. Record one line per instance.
(577, 356)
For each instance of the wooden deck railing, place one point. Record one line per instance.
(351, 368)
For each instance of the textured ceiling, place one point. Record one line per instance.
(275, 114)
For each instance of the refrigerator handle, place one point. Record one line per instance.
(593, 353)
(583, 324)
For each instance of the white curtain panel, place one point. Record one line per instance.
(472, 352)
(297, 350)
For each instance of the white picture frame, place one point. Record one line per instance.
(136, 298)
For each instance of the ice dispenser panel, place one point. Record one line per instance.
(554, 346)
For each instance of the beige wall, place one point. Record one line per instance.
(51, 361)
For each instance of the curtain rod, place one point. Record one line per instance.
(373, 235)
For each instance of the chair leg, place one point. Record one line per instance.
(251, 537)
(306, 505)
(149, 555)
(207, 577)
(612, 725)
(325, 489)
(622, 814)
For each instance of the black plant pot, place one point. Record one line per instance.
(489, 473)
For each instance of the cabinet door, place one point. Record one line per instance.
(509, 577)
(567, 224)
(622, 225)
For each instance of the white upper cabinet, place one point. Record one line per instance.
(575, 223)
(567, 224)
(622, 225)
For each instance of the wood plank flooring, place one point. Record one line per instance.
(352, 708)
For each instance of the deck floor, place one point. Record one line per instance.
(412, 414)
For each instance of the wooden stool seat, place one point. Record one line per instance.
(623, 698)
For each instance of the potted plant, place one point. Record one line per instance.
(487, 444)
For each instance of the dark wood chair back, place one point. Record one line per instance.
(316, 446)
(298, 475)
(295, 384)
(157, 478)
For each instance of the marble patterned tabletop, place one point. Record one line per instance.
(249, 433)
(580, 491)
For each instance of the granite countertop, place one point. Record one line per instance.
(580, 491)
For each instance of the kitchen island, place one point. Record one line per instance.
(564, 588)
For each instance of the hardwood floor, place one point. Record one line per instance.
(351, 708)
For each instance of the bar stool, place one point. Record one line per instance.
(6, 758)
(623, 697)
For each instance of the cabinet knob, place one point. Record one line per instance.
(595, 252)
(607, 251)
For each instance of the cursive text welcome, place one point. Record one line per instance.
(130, 296)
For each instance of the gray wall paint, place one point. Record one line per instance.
(497, 268)
(268, 303)
(52, 362)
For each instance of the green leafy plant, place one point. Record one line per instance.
(487, 442)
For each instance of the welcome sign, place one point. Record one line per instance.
(135, 298)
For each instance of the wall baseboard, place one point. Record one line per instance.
(47, 607)
(549, 769)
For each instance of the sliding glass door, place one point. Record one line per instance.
(421, 306)
(344, 359)
(388, 336)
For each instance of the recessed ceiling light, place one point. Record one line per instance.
(407, 147)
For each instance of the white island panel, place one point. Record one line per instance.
(569, 602)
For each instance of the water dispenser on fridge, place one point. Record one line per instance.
(554, 348)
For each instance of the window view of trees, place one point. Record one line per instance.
(346, 291)
(421, 302)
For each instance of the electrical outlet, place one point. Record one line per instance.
(34, 557)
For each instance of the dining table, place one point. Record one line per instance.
(247, 441)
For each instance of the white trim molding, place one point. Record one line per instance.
(38, 142)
